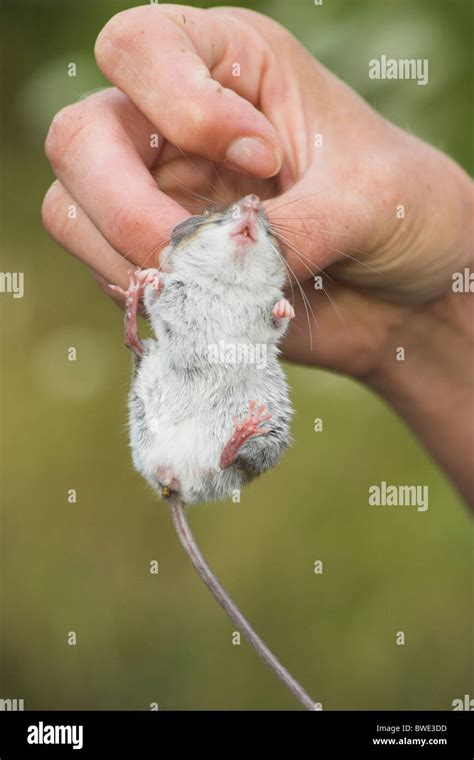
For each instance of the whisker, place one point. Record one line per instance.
(304, 219)
(127, 257)
(221, 180)
(289, 278)
(304, 297)
(283, 190)
(194, 205)
(288, 272)
(333, 248)
(298, 253)
(272, 184)
(198, 196)
(324, 216)
(301, 255)
(291, 272)
(301, 233)
(358, 261)
(206, 180)
(294, 200)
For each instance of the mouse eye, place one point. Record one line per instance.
(186, 228)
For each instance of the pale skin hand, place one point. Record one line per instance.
(173, 67)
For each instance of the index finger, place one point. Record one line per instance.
(197, 76)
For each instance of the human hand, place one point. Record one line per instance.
(335, 203)
(335, 206)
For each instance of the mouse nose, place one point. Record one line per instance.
(251, 202)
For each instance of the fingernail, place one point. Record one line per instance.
(253, 155)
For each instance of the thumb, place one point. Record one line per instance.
(197, 76)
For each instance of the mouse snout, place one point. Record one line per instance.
(250, 203)
(245, 228)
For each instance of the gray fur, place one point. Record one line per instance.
(181, 401)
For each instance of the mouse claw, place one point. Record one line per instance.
(118, 289)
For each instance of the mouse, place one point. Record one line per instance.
(209, 407)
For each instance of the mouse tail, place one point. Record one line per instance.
(220, 594)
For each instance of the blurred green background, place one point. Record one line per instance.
(84, 567)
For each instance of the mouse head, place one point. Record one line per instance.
(234, 246)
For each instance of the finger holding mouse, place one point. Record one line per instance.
(108, 179)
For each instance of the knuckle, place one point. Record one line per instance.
(63, 132)
(120, 33)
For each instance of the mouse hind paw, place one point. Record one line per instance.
(244, 431)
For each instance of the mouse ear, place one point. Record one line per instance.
(186, 228)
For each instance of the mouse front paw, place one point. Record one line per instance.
(151, 277)
(283, 310)
(137, 282)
